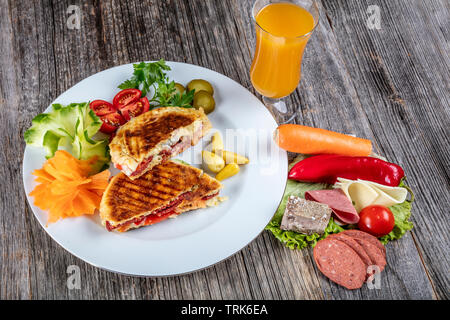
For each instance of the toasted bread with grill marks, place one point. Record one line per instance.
(206, 187)
(147, 135)
(126, 199)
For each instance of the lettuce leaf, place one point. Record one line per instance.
(70, 127)
(402, 214)
(294, 240)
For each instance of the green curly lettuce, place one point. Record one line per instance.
(402, 214)
(294, 240)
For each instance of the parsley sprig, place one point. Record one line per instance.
(165, 95)
(153, 75)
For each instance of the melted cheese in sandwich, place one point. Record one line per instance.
(129, 164)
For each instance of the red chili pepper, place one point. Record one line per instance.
(327, 168)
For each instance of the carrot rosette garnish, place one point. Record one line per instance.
(65, 188)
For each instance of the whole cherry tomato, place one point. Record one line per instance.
(376, 220)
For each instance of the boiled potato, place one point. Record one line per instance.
(217, 143)
(227, 172)
(231, 157)
(179, 88)
(213, 161)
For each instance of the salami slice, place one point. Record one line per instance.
(340, 263)
(365, 236)
(352, 243)
(338, 202)
(375, 254)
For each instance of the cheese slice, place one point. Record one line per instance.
(367, 193)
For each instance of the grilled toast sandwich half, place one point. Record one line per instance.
(156, 136)
(167, 190)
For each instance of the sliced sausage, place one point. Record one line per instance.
(352, 243)
(337, 200)
(340, 263)
(357, 234)
(376, 255)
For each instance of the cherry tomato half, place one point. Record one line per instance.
(111, 122)
(135, 109)
(126, 97)
(376, 220)
(102, 107)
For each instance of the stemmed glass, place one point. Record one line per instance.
(276, 69)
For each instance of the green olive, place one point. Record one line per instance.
(179, 88)
(199, 85)
(205, 100)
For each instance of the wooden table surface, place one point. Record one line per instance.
(390, 85)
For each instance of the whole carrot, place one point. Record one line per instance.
(307, 140)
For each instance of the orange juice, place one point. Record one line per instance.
(282, 33)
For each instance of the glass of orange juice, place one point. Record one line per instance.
(283, 29)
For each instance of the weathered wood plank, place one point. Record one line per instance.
(14, 258)
(409, 111)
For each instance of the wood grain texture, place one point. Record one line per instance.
(389, 85)
(411, 104)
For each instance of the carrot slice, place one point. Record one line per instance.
(86, 165)
(65, 165)
(88, 201)
(65, 188)
(40, 194)
(43, 176)
(79, 207)
(58, 208)
(99, 181)
(308, 140)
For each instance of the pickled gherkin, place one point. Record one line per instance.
(203, 99)
(200, 85)
(179, 88)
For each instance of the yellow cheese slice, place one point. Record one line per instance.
(366, 193)
(360, 193)
(389, 196)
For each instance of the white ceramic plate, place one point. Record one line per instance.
(197, 239)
